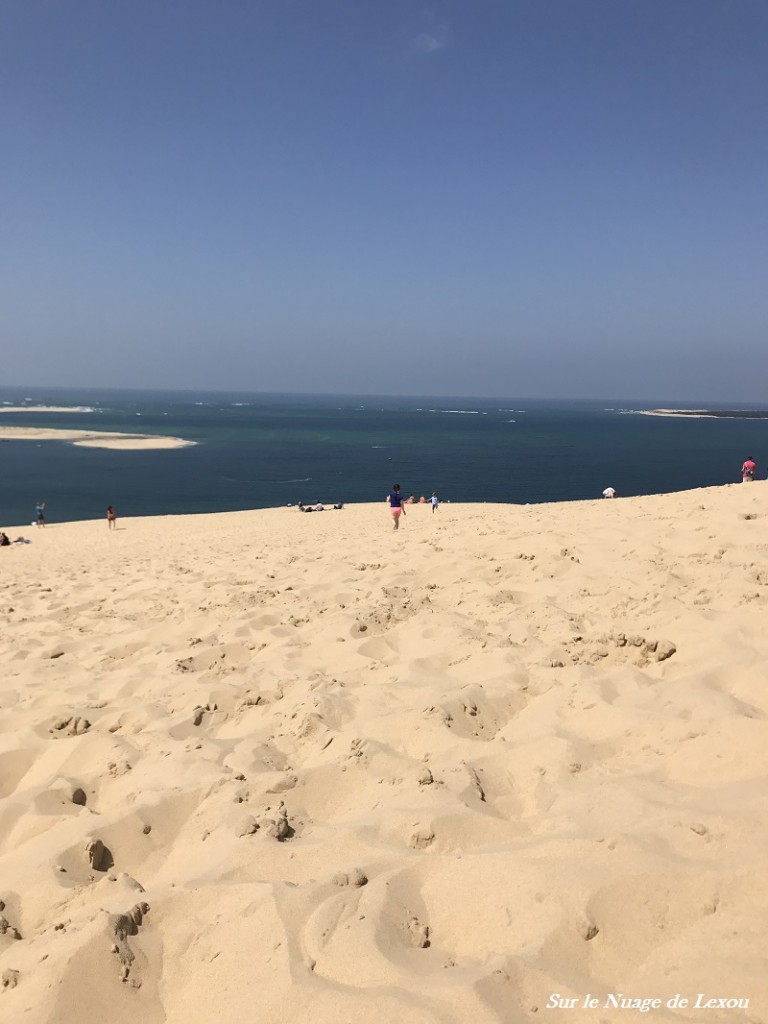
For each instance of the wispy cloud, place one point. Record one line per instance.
(430, 42)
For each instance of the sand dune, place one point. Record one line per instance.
(267, 766)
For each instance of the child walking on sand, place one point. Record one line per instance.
(395, 500)
(434, 502)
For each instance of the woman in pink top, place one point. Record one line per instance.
(748, 470)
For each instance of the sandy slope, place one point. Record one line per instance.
(538, 732)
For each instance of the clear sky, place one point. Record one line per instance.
(553, 198)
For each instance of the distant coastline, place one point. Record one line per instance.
(712, 414)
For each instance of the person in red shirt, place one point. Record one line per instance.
(748, 469)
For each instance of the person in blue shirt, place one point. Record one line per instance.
(40, 513)
(395, 500)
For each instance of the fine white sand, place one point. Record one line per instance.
(93, 438)
(266, 766)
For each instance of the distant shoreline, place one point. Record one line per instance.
(711, 414)
(94, 438)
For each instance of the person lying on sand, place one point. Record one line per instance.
(5, 540)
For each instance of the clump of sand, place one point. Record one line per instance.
(264, 766)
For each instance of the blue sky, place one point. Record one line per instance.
(554, 198)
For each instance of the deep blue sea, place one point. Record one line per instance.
(262, 450)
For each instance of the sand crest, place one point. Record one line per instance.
(267, 766)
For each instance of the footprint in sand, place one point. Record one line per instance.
(121, 927)
(474, 716)
(99, 857)
(418, 933)
(354, 878)
(69, 725)
(8, 934)
(10, 978)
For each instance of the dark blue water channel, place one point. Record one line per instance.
(256, 451)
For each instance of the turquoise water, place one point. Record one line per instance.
(258, 451)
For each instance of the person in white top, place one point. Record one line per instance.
(609, 492)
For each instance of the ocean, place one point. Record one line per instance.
(265, 450)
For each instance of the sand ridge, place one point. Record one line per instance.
(264, 765)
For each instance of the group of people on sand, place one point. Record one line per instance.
(748, 473)
(423, 501)
(40, 515)
(318, 506)
(395, 500)
(397, 503)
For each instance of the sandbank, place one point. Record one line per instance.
(45, 408)
(93, 438)
(692, 413)
(707, 414)
(269, 766)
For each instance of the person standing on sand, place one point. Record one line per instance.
(40, 513)
(748, 469)
(435, 502)
(111, 518)
(395, 500)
